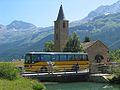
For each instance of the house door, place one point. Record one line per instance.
(99, 58)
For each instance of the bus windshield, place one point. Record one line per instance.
(28, 58)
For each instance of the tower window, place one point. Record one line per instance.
(56, 25)
(64, 25)
(56, 36)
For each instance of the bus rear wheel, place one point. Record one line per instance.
(43, 69)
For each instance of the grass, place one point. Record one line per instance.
(8, 71)
(10, 79)
(20, 84)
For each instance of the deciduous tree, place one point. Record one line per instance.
(73, 44)
(49, 46)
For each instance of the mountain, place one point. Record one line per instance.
(102, 10)
(14, 44)
(2, 27)
(19, 37)
(105, 28)
(20, 25)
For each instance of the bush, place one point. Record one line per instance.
(116, 71)
(8, 71)
(116, 75)
(11, 80)
(38, 86)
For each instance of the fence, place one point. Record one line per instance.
(103, 68)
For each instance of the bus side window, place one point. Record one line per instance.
(86, 57)
(34, 58)
(42, 57)
(39, 57)
(70, 57)
(57, 57)
(47, 58)
(53, 57)
(77, 57)
(63, 57)
(80, 57)
(83, 57)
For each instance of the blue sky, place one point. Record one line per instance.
(42, 13)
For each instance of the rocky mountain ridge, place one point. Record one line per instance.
(20, 37)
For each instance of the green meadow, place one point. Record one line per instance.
(10, 79)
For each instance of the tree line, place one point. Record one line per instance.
(73, 44)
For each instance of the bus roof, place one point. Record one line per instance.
(56, 53)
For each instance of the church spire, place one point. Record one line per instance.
(61, 14)
(60, 31)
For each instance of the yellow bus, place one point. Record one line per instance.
(58, 61)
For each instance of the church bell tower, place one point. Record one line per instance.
(60, 31)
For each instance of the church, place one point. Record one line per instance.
(95, 49)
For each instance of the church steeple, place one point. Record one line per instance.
(60, 31)
(61, 14)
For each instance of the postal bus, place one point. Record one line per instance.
(58, 61)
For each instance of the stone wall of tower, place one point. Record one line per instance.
(60, 34)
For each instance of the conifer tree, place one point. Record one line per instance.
(87, 39)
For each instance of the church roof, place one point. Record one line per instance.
(86, 45)
(61, 14)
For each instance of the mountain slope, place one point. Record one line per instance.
(105, 10)
(105, 28)
(20, 25)
(15, 43)
(19, 37)
(102, 10)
